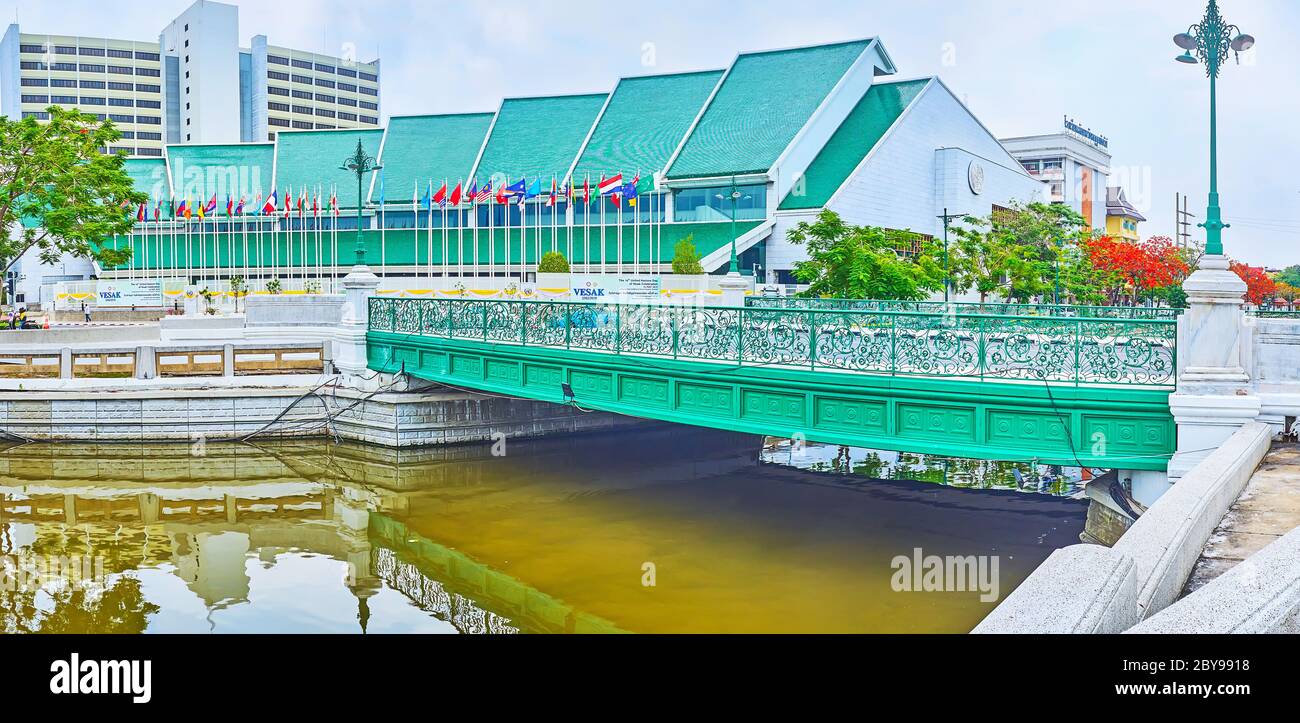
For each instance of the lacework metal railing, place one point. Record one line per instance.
(1274, 314)
(1079, 350)
(941, 307)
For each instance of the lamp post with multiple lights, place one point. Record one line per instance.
(735, 196)
(1209, 42)
(360, 163)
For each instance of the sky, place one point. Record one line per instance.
(1020, 65)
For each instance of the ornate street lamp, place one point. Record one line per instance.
(360, 163)
(1209, 42)
(735, 196)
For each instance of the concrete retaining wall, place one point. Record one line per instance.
(213, 414)
(1259, 595)
(1087, 588)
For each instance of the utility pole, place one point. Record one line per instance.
(947, 217)
(1182, 220)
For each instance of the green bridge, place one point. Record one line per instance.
(1089, 389)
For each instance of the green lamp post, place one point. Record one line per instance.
(360, 163)
(1209, 42)
(734, 197)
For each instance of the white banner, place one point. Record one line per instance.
(595, 287)
(129, 293)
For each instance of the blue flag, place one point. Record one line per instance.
(514, 188)
(535, 189)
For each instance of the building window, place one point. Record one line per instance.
(325, 98)
(36, 99)
(35, 82)
(277, 75)
(147, 88)
(119, 69)
(64, 99)
(368, 91)
(348, 87)
(148, 136)
(65, 49)
(278, 122)
(71, 66)
(273, 90)
(92, 100)
(90, 68)
(277, 60)
(121, 102)
(115, 85)
(324, 113)
(148, 104)
(151, 72)
(302, 95)
(302, 125)
(282, 107)
(95, 84)
(347, 101)
(304, 64)
(302, 79)
(152, 120)
(369, 76)
(369, 106)
(148, 151)
(348, 73)
(712, 203)
(119, 54)
(324, 83)
(98, 52)
(37, 114)
(344, 115)
(141, 55)
(369, 119)
(31, 48)
(302, 109)
(128, 135)
(321, 67)
(119, 118)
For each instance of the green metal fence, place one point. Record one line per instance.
(1273, 314)
(1078, 350)
(941, 307)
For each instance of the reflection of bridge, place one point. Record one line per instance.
(1085, 390)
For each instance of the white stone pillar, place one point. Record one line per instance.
(350, 343)
(1214, 395)
(733, 287)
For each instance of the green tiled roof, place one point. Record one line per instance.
(644, 122)
(882, 104)
(420, 148)
(764, 101)
(538, 137)
(235, 169)
(149, 176)
(312, 159)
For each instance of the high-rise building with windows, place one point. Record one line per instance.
(177, 89)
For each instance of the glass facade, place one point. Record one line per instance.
(713, 203)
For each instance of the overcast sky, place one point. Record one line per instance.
(1019, 64)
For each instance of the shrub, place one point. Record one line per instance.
(686, 258)
(553, 262)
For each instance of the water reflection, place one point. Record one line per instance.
(860, 466)
(555, 536)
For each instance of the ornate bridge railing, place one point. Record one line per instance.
(1078, 350)
(941, 307)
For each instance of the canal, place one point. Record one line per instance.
(663, 529)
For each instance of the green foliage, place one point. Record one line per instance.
(1290, 275)
(1014, 254)
(863, 262)
(273, 286)
(553, 262)
(59, 192)
(686, 258)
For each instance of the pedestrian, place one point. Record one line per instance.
(85, 311)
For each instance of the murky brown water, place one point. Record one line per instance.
(659, 530)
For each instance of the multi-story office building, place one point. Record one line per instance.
(177, 89)
(1074, 162)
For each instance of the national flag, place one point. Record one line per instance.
(240, 208)
(381, 188)
(608, 185)
(427, 200)
(586, 190)
(472, 195)
(139, 214)
(440, 197)
(302, 201)
(501, 195)
(202, 212)
(334, 199)
(183, 209)
(157, 211)
(484, 193)
(288, 202)
(455, 196)
(535, 189)
(315, 206)
(550, 201)
(269, 206)
(212, 204)
(230, 207)
(514, 189)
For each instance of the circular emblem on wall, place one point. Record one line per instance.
(975, 177)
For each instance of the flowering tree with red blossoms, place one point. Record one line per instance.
(1260, 287)
(1130, 267)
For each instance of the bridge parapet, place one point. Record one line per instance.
(1074, 350)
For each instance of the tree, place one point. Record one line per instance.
(686, 258)
(1259, 286)
(62, 194)
(1134, 268)
(553, 262)
(1289, 275)
(1288, 293)
(992, 258)
(863, 262)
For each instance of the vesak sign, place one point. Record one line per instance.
(596, 287)
(129, 293)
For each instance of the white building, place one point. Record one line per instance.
(179, 88)
(1075, 162)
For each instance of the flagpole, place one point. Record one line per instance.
(460, 237)
(383, 228)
